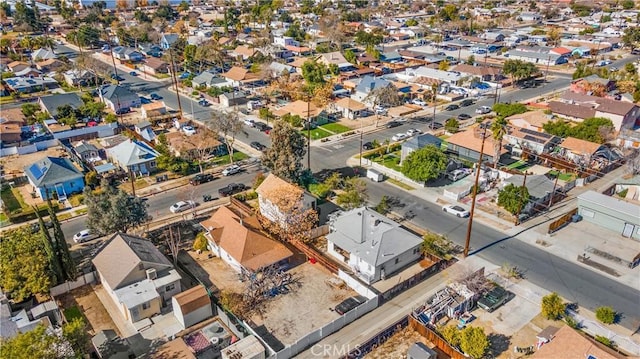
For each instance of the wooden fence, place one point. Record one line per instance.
(562, 221)
(435, 338)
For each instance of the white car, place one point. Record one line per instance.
(419, 102)
(412, 132)
(457, 210)
(182, 206)
(483, 110)
(249, 122)
(231, 170)
(399, 137)
(380, 110)
(83, 236)
(188, 130)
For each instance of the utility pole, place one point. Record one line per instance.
(475, 190)
(175, 80)
(133, 181)
(547, 71)
(522, 189)
(555, 183)
(309, 133)
(434, 90)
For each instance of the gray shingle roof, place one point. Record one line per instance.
(52, 170)
(115, 93)
(537, 185)
(369, 83)
(422, 141)
(85, 147)
(371, 236)
(51, 103)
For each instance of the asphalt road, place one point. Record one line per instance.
(159, 204)
(586, 287)
(573, 282)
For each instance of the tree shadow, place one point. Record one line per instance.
(499, 343)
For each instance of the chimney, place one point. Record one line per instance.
(151, 274)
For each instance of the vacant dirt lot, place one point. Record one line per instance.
(398, 345)
(88, 303)
(14, 164)
(313, 301)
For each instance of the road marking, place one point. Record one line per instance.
(324, 148)
(337, 147)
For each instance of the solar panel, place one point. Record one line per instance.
(534, 139)
(36, 171)
(535, 133)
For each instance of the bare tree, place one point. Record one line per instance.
(228, 125)
(633, 162)
(386, 96)
(173, 242)
(286, 215)
(203, 144)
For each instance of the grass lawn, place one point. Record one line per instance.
(81, 211)
(567, 177)
(519, 166)
(391, 160)
(3, 219)
(223, 160)
(64, 216)
(6, 99)
(335, 128)
(12, 199)
(316, 133)
(72, 313)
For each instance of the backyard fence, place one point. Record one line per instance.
(562, 221)
(66, 287)
(414, 280)
(435, 338)
(23, 150)
(393, 174)
(370, 345)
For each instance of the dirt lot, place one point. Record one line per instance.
(86, 300)
(211, 271)
(314, 301)
(398, 345)
(15, 164)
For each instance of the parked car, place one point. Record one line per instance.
(483, 110)
(463, 116)
(117, 77)
(423, 118)
(83, 236)
(231, 189)
(35, 227)
(452, 107)
(613, 69)
(457, 210)
(261, 126)
(367, 146)
(249, 122)
(189, 130)
(184, 75)
(457, 175)
(258, 146)
(154, 96)
(635, 52)
(133, 73)
(418, 102)
(413, 132)
(231, 170)
(467, 102)
(144, 100)
(399, 137)
(201, 178)
(182, 206)
(392, 124)
(204, 103)
(493, 299)
(122, 111)
(349, 304)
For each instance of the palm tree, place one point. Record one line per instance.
(498, 130)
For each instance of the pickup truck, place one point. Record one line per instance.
(493, 299)
(231, 189)
(201, 178)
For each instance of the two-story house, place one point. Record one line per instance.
(272, 190)
(138, 278)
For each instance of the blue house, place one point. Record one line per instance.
(54, 175)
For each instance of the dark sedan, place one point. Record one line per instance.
(393, 124)
(258, 146)
(463, 116)
(367, 146)
(451, 107)
(349, 304)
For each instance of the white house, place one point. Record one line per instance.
(137, 277)
(117, 97)
(192, 306)
(285, 41)
(372, 245)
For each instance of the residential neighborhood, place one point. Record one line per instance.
(318, 179)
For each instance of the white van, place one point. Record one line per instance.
(375, 175)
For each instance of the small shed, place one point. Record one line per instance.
(420, 351)
(192, 306)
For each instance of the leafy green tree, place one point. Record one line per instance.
(29, 110)
(383, 206)
(552, 306)
(91, 179)
(183, 6)
(595, 129)
(314, 72)
(436, 244)
(200, 243)
(606, 315)
(411, 22)
(474, 342)
(354, 194)
(471, 60)
(76, 334)
(296, 31)
(368, 38)
(265, 114)
(284, 157)
(54, 261)
(228, 126)
(519, 69)
(451, 334)
(350, 56)
(113, 210)
(424, 164)
(26, 17)
(452, 125)
(558, 128)
(33, 344)
(24, 265)
(93, 109)
(504, 110)
(513, 198)
(628, 4)
(631, 37)
(449, 13)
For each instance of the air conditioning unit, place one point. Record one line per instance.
(151, 274)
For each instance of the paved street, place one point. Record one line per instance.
(588, 288)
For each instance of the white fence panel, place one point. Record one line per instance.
(8, 151)
(24, 150)
(356, 285)
(69, 286)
